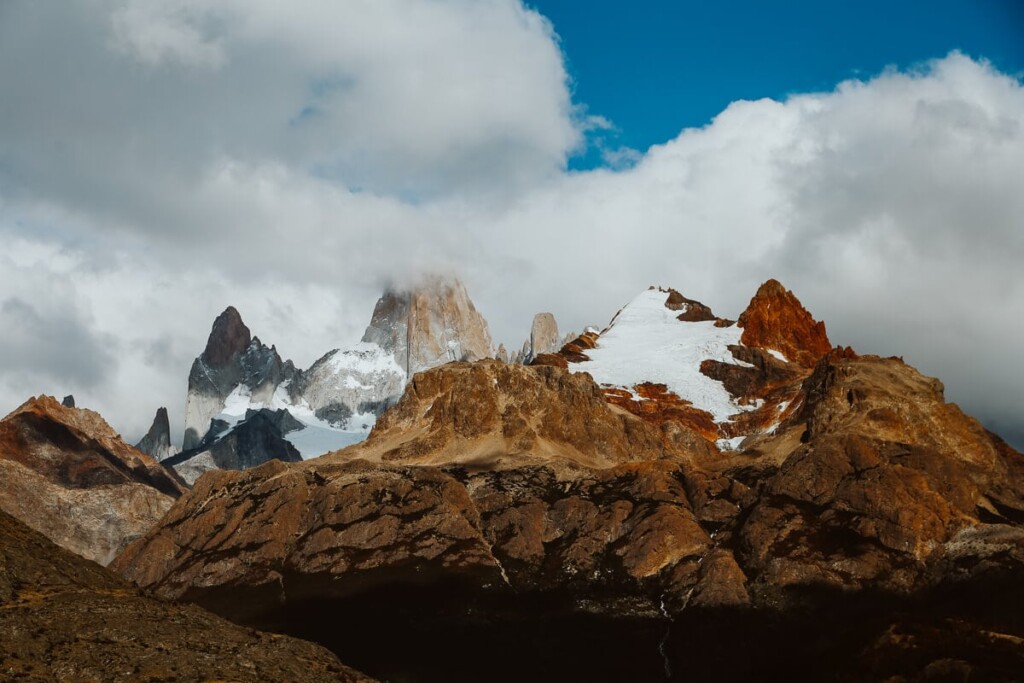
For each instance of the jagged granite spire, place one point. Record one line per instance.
(228, 338)
(429, 324)
(157, 441)
(233, 359)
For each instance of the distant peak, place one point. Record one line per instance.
(228, 337)
(776, 320)
(772, 287)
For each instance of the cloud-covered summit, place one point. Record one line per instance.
(161, 160)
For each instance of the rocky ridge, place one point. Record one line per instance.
(339, 397)
(738, 383)
(55, 459)
(491, 483)
(233, 360)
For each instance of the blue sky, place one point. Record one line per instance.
(659, 67)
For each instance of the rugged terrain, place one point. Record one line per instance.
(336, 400)
(65, 473)
(859, 528)
(63, 618)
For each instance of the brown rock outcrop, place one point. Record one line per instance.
(229, 338)
(496, 416)
(775, 319)
(531, 486)
(487, 473)
(65, 473)
(64, 618)
(887, 476)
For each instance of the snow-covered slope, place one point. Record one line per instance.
(665, 357)
(646, 342)
(345, 384)
(317, 436)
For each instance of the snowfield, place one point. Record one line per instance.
(646, 343)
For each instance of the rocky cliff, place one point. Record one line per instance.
(157, 441)
(495, 495)
(258, 437)
(429, 324)
(340, 396)
(543, 338)
(65, 473)
(232, 362)
(664, 356)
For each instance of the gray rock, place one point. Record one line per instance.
(157, 441)
(430, 324)
(231, 357)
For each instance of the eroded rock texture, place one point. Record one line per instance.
(64, 618)
(65, 473)
(776, 320)
(492, 482)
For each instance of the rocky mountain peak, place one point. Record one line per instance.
(543, 336)
(54, 458)
(776, 320)
(232, 360)
(429, 324)
(228, 338)
(157, 441)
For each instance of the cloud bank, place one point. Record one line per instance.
(161, 160)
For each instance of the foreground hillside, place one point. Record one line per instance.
(63, 618)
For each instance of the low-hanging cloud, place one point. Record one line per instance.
(161, 160)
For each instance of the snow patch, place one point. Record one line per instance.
(730, 444)
(646, 343)
(777, 354)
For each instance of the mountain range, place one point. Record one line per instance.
(673, 496)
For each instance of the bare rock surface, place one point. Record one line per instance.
(431, 323)
(232, 358)
(157, 441)
(543, 484)
(865, 487)
(871, 507)
(543, 337)
(65, 473)
(65, 618)
(776, 320)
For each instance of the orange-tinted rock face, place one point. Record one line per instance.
(523, 485)
(54, 458)
(776, 320)
(496, 415)
(656, 404)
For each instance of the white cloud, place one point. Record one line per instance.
(159, 161)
